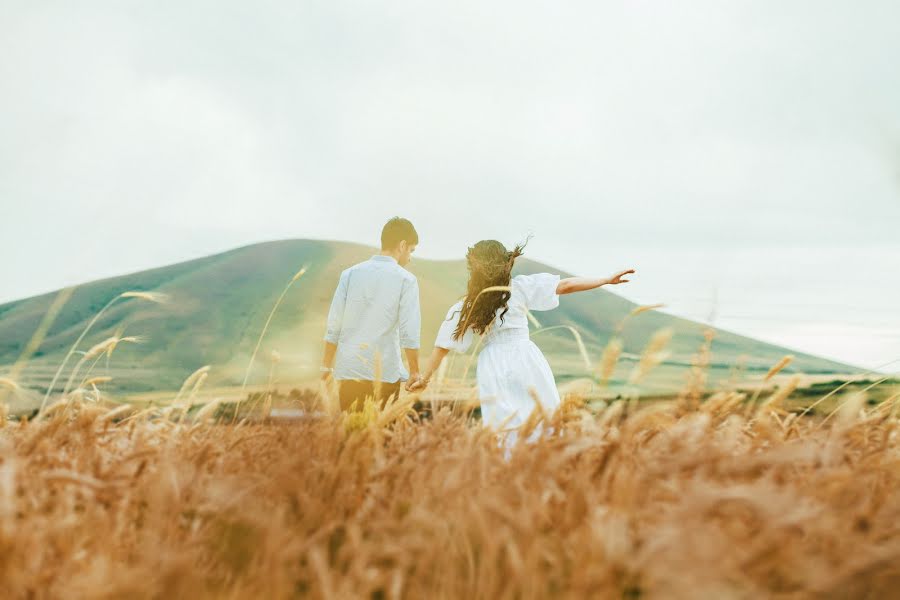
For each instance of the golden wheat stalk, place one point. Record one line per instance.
(395, 409)
(472, 354)
(654, 354)
(610, 359)
(845, 384)
(533, 425)
(96, 358)
(267, 404)
(185, 407)
(156, 297)
(853, 398)
(190, 381)
(207, 411)
(848, 411)
(777, 367)
(55, 408)
(67, 476)
(139, 415)
(329, 396)
(780, 395)
(889, 403)
(39, 335)
(96, 351)
(697, 375)
(579, 342)
(149, 296)
(637, 310)
(115, 412)
(265, 328)
(892, 402)
(611, 414)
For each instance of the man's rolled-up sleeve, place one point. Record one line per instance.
(336, 312)
(410, 315)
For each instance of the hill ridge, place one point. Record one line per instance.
(221, 300)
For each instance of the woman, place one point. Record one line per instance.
(512, 372)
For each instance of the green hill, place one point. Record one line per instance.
(219, 304)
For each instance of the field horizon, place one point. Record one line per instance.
(218, 304)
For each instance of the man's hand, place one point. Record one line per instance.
(327, 368)
(416, 383)
(617, 278)
(418, 386)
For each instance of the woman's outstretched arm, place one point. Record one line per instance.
(570, 285)
(433, 363)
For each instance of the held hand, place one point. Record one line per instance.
(617, 278)
(412, 382)
(416, 384)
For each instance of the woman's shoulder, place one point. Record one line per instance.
(455, 309)
(534, 280)
(537, 291)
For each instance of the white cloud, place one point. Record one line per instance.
(665, 135)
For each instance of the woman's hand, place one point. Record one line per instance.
(421, 382)
(617, 278)
(570, 285)
(417, 384)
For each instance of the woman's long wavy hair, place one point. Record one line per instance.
(490, 264)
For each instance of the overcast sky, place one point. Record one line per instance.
(743, 156)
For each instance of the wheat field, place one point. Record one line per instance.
(732, 494)
(716, 499)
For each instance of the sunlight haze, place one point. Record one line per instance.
(744, 157)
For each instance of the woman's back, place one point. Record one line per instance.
(527, 293)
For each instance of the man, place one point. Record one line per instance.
(374, 313)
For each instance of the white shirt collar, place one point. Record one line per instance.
(383, 258)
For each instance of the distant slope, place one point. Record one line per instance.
(219, 304)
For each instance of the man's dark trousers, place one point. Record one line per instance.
(354, 390)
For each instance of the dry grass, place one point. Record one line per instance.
(665, 502)
(703, 497)
(654, 354)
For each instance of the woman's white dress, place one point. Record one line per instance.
(512, 371)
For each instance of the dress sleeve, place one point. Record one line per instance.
(538, 292)
(448, 326)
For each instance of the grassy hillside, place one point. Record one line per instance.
(219, 304)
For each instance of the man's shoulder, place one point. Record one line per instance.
(355, 267)
(360, 266)
(402, 273)
(406, 275)
(394, 269)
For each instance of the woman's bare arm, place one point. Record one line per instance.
(570, 285)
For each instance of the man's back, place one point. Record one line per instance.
(374, 313)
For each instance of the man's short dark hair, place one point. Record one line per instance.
(398, 230)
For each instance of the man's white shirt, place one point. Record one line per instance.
(374, 314)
